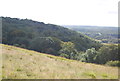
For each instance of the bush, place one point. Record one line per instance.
(113, 63)
(64, 55)
(68, 50)
(17, 45)
(89, 56)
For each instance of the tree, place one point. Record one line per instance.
(21, 41)
(49, 45)
(17, 33)
(89, 55)
(107, 53)
(68, 50)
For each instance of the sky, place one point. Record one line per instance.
(63, 12)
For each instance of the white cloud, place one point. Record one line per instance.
(75, 12)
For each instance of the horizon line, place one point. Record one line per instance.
(58, 24)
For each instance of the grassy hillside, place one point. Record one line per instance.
(19, 63)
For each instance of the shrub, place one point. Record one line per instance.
(68, 50)
(89, 55)
(113, 63)
(19, 69)
(64, 55)
(17, 45)
(104, 75)
(91, 74)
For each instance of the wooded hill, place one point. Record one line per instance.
(103, 33)
(27, 33)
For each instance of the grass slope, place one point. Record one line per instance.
(19, 63)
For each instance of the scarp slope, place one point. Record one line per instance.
(20, 63)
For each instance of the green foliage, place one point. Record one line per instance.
(47, 38)
(90, 74)
(49, 45)
(68, 50)
(107, 53)
(105, 75)
(89, 55)
(22, 42)
(113, 63)
(17, 45)
(64, 55)
(17, 33)
(104, 34)
(19, 69)
(24, 31)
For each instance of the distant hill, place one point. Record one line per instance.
(103, 33)
(86, 26)
(19, 63)
(22, 32)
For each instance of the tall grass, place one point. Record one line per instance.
(20, 63)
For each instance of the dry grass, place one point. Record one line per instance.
(0, 62)
(20, 63)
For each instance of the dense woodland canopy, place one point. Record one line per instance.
(56, 40)
(24, 31)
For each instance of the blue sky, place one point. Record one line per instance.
(64, 12)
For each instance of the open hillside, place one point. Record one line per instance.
(19, 63)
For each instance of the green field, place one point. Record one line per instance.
(19, 63)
